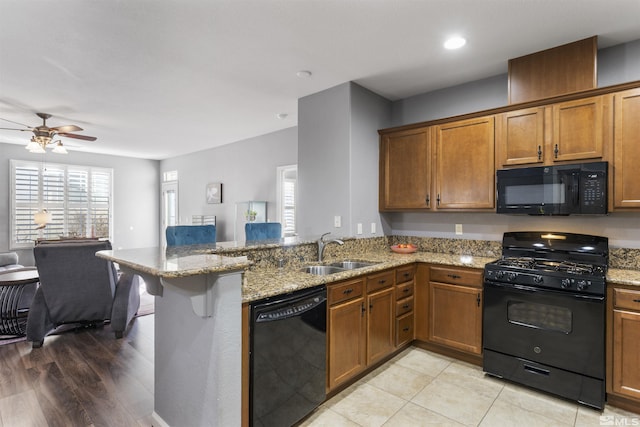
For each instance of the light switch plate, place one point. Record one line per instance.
(359, 228)
(373, 228)
(459, 229)
(337, 221)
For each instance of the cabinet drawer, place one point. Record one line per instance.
(626, 298)
(404, 290)
(404, 329)
(404, 274)
(345, 291)
(404, 306)
(379, 281)
(456, 276)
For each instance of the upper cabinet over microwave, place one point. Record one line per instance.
(566, 131)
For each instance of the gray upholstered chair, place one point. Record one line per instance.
(78, 287)
(9, 261)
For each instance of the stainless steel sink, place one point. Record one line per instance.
(352, 265)
(322, 270)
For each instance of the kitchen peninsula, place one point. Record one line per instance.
(198, 332)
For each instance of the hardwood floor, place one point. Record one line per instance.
(80, 378)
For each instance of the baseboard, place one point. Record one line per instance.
(158, 421)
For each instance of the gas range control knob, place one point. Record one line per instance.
(512, 276)
(565, 283)
(499, 274)
(538, 279)
(583, 284)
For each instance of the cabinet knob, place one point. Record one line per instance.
(428, 200)
(556, 151)
(540, 152)
(438, 200)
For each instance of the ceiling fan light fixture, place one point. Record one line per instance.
(59, 148)
(32, 145)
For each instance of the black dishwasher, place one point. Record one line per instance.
(288, 357)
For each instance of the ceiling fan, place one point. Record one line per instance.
(43, 135)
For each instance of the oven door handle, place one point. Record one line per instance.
(512, 286)
(589, 297)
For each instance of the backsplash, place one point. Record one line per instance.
(306, 252)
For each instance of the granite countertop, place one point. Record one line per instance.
(158, 262)
(266, 282)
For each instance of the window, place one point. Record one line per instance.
(79, 199)
(287, 189)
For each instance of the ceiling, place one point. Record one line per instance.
(160, 78)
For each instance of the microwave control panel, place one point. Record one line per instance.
(593, 192)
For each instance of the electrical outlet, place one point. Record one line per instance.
(359, 228)
(337, 221)
(373, 228)
(459, 229)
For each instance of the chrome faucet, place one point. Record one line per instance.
(323, 243)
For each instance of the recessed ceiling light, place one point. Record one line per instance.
(282, 116)
(454, 43)
(303, 73)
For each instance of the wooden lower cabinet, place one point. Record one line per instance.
(361, 324)
(623, 373)
(347, 341)
(455, 308)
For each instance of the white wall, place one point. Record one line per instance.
(136, 195)
(338, 159)
(246, 169)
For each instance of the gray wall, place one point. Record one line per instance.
(338, 160)
(618, 64)
(136, 195)
(246, 169)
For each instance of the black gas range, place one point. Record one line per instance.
(544, 314)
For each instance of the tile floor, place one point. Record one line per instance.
(420, 388)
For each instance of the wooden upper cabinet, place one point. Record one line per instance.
(405, 170)
(465, 164)
(626, 131)
(520, 137)
(578, 129)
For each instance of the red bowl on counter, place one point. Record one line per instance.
(404, 249)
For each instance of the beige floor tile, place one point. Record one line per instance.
(423, 361)
(368, 405)
(502, 414)
(415, 416)
(325, 417)
(611, 416)
(471, 377)
(459, 403)
(552, 407)
(400, 380)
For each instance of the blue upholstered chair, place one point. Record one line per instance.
(262, 230)
(180, 235)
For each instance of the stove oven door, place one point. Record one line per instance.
(553, 328)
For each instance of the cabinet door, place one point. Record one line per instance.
(626, 179)
(520, 137)
(465, 159)
(578, 129)
(347, 345)
(380, 338)
(455, 316)
(405, 170)
(626, 353)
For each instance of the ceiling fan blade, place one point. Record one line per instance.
(66, 128)
(17, 129)
(73, 135)
(15, 123)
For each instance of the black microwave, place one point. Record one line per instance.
(553, 190)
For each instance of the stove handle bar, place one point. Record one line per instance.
(536, 370)
(595, 298)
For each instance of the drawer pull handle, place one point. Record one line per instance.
(636, 300)
(407, 274)
(406, 306)
(453, 276)
(347, 291)
(405, 329)
(381, 281)
(405, 290)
